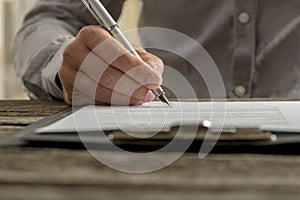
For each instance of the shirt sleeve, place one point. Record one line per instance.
(47, 29)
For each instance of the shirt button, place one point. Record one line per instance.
(240, 90)
(244, 17)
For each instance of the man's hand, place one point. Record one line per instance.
(96, 68)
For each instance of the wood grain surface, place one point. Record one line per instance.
(40, 173)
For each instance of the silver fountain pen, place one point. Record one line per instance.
(103, 17)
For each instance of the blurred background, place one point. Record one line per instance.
(11, 15)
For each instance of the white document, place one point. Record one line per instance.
(156, 116)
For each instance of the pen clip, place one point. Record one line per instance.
(86, 3)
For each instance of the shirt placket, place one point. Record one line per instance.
(245, 45)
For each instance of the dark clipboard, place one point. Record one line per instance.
(238, 141)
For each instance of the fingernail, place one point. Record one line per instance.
(149, 97)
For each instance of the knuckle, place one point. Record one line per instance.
(86, 32)
(92, 33)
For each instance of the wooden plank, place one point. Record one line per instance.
(216, 172)
(16, 114)
(54, 192)
(25, 112)
(30, 108)
(18, 121)
(14, 104)
(6, 131)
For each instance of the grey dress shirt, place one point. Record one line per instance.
(254, 43)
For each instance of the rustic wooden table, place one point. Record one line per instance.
(74, 174)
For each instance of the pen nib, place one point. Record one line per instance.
(164, 99)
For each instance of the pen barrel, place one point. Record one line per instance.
(117, 33)
(101, 13)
